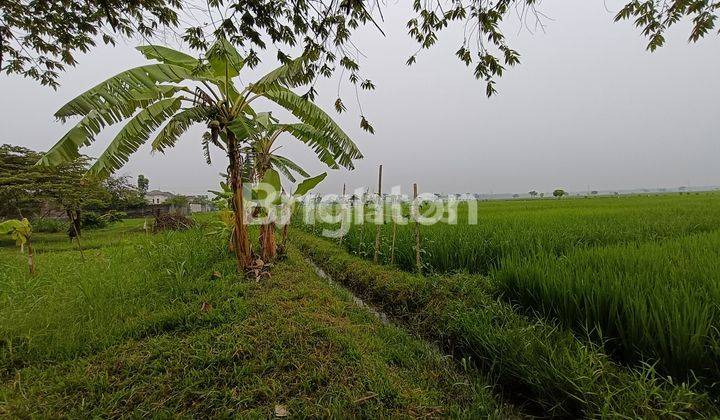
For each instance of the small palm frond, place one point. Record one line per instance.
(324, 129)
(178, 124)
(323, 145)
(84, 132)
(287, 167)
(133, 135)
(317, 143)
(121, 95)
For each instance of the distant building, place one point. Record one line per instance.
(158, 197)
(200, 204)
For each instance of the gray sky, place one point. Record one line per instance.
(587, 106)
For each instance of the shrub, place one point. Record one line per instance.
(114, 216)
(92, 220)
(49, 225)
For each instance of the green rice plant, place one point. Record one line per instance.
(522, 229)
(653, 302)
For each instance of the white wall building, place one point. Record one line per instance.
(157, 197)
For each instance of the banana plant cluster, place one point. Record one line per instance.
(178, 91)
(20, 231)
(270, 204)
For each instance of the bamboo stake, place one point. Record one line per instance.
(342, 215)
(377, 225)
(394, 233)
(417, 231)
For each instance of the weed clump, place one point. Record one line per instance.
(172, 221)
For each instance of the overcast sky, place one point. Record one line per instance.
(587, 107)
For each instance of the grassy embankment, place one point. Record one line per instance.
(143, 327)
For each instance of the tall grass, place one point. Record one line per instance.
(656, 301)
(123, 288)
(153, 333)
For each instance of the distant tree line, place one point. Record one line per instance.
(34, 192)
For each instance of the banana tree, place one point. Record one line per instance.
(179, 91)
(264, 164)
(20, 231)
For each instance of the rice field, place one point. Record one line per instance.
(528, 227)
(655, 301)
(637, 274)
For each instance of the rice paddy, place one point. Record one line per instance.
(637, 275)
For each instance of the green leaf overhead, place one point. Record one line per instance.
(224, 59)
(242, 127)
(287, 167)
(315, 117)
(133, 135)
(294, 73)
(82, 134)
(328, 151)
(169, 56)
(121, 95)
(177, 126)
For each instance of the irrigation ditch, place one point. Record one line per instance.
(518, 401)
(538, 367)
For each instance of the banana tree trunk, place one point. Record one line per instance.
(285, 234)
(243, 252)
(267, 242)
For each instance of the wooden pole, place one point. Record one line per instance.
(392, 245)
(417, 231)
(382, 209)
(342, 210)
(394, 233)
